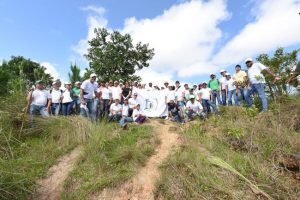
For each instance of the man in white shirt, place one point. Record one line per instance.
(88, 90)
(231, 90)
(138, 115)
(116, 91)
(115, 111)
(179, 97)
(56, 95)
(39, 100)
(150, 87)
(205, 97)
(222, 81)
(257, 82)
(194, 108)
(133, 102)
(105, 98)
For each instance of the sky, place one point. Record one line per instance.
(191, 39)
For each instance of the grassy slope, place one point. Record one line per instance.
(250, 144)
(109, 159)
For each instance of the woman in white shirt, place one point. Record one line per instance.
(67, 101)
(138, 115)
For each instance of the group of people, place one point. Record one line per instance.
(118, 100)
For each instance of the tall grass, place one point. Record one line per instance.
(249, 142)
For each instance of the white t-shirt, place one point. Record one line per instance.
(40, 97)
(179, 93)
(132, 102)
(254, 73)
(125, 110)
(56, 95)
(89, 88)
(135, 113)
(223, 83)
(205, 93)
(196, 106)
(230, 84)
(67, 97)
(105, 92)
(170, 95)
(116, 91)
(116, 108)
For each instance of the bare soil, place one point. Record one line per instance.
(142, 185)
(51, 187)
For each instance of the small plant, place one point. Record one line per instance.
(234, 132)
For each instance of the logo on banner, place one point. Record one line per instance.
(151, 104)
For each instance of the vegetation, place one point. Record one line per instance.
(114, 56)
(236, 156)
(74, 75)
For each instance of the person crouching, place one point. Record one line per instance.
(138, 115)
(115, 111)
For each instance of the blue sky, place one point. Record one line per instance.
(191, 38)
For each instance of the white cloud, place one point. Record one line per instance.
(183, 36)
(277, 23)
(50, 69)
(148, 75)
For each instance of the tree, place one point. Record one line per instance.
(113, 55)
(19, 73)
(281, 64)
(74, 75)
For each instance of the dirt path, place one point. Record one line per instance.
(51, 187)
(142, 185)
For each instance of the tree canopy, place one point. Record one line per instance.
(19, 73)
(114, 56)
(282, 64)
(74, 74)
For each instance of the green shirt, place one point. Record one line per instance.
(213, 84)
(76, 91)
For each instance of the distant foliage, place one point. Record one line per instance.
(17, 74)
(282, 64)
(74, 75)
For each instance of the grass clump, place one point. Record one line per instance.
(109, 159)
(236, 156)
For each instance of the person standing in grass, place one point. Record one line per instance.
(231, 90)
(76, 96)
(106, 98)
(87, 91)
(194, 108)
(179, 92)
(240, 80)
(56, 95)
(214, 85)
(115, 111)
(39, 100)
(116, 91)
(67, 99)
(257, 82)
(223, 87)
(138, 115)
(205, 97)
(125, 114)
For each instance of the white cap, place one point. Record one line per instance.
(227, 74)
(93, 75)
(204, 82)
(192, 97)
(77, 82)
(222, 70)
(68, 83)
(248, 60)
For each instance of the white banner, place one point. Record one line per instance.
(152, 103)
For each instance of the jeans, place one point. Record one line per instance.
(55, 107)
(115, 117)
(66, 108)
(90, 112)
(223, 93)
(235, 96)
(215, 95)
(97, 107)
(206, 103)
(105, 107)
(124, 120)
(140, 119)
(260, 89)
(76, 104)
(35, 110)
(192, 114)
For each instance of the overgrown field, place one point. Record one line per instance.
(26, 153)
(240, 155)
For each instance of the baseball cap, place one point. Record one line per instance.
(212, 74)
(77, 82)
(222, 70)
(248, 60)
(192, 97)
(68, 83)
(227, 74)
(93, 75)
(204, 83)
(39, 81)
